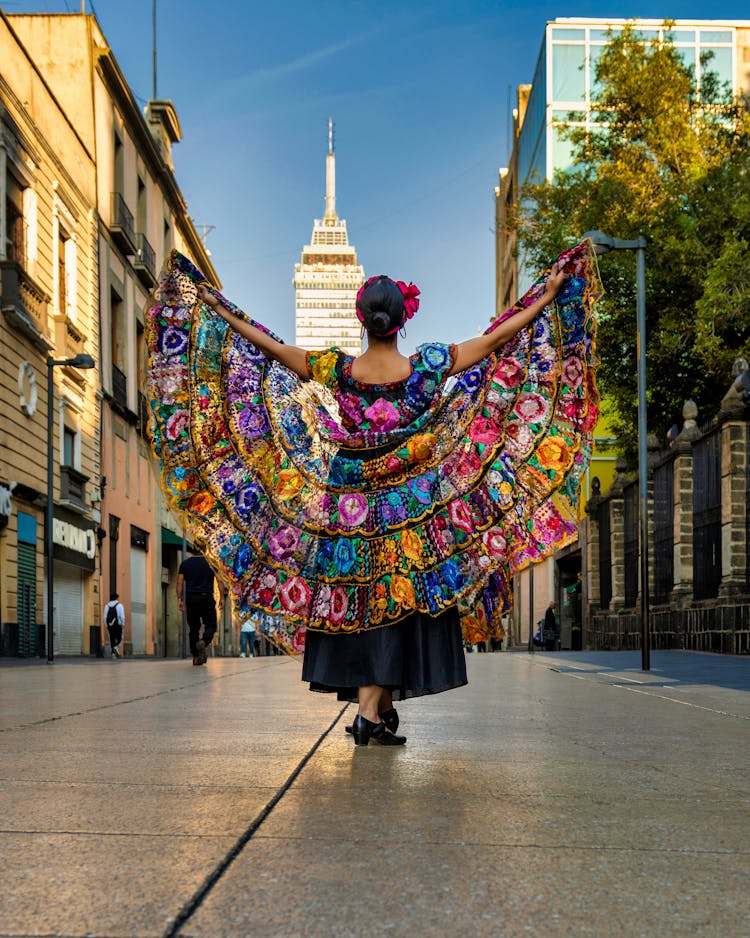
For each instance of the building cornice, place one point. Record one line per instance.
(115, 82)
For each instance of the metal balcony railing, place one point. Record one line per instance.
(119, 386)
(144, 262)
(121, 225)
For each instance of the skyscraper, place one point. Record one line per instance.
(327, 278)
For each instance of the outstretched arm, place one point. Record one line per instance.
(294, 358)
(474, 350)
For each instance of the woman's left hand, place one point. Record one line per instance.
(554, 282)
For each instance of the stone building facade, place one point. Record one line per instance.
(48, 302)
(133, 214)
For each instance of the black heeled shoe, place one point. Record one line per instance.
(389, 717)
(364, 731)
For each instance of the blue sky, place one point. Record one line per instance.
(420, 93)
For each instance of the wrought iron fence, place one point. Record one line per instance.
(605, 556)
(630, 543)
(119, 386)
(707, 515)
(663, 531)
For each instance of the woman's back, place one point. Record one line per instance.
(381, 366)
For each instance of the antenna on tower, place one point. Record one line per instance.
(153, 18)
(330, 135)
(206, 231)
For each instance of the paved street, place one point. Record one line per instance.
(557, 794)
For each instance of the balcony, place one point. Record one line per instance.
(24, 304)
(119, 387)
(73, 488)
(144, 262)
(121, 225)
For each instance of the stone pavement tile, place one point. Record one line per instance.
(468, 815)
(119, 808)
(99, 742)
(519, 779)
(150, 768)
(349, 889)
(93, 884)
(30, 695)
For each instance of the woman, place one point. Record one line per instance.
(371, 499)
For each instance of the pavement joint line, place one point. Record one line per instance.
(52, 832)
(647, 693)
(524, 845)
(683, 703)
(193, 904)
(119, 703)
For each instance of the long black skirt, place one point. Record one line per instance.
(419, 655)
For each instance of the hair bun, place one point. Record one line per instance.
(380, 322)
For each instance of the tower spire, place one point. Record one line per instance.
(330, 217)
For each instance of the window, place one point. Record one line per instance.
(568, 76)
(15, 229)
(562, 149)
(117, 326)
(62, 275)
(69, 447)
(119, 165)
(717, 60)
(167, 237)
(141, 209)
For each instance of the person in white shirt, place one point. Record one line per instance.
(114, 619)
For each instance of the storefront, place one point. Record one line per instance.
(74, 541)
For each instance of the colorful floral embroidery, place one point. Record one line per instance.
(341, 506)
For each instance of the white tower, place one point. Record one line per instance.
(327, 278)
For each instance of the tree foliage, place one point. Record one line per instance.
(671, 162)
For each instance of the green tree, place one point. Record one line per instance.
(674, 165)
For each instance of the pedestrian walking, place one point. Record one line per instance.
(551, 630)
(195, 594)
(365, 498)
(247, 638)
(114, 619)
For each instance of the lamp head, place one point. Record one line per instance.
(81, 361)
(603, 244)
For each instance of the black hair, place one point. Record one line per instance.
(112, 597)
(382, 306)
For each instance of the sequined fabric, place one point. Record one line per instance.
(342, 507)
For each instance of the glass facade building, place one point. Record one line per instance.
(564, 82)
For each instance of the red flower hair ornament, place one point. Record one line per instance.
(409, 291)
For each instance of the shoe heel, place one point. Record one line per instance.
(362, 730)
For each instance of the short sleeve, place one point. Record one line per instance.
(324, 366)
(436, 358)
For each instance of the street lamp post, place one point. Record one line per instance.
(80, 361)
(603, 244)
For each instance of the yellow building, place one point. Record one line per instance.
(49, 289)
(137, 216)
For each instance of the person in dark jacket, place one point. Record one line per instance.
(195, 594)
(551, 630)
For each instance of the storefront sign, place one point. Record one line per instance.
(83, 542)
(74, 539)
